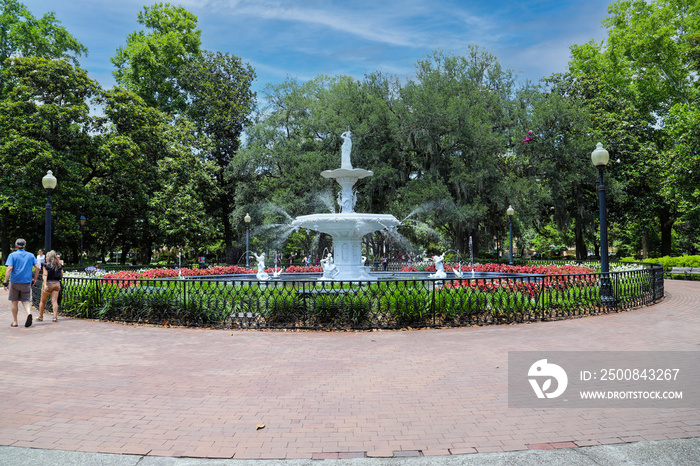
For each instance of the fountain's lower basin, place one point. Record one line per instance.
(350, 224)
(347, 230)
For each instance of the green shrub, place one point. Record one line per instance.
(681, 261)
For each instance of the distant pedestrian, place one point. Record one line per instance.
(40, 257)
(19, 281)
(385, 262)
(52, 272)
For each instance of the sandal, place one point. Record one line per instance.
(28, 323)
(54, 320)
(39, 319)
(13, 325)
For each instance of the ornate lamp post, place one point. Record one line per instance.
(49, 182)
(600, 158)
(82, 224)
(247, 239)
(510, 211)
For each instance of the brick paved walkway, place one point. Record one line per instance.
(104, 387)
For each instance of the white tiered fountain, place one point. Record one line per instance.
(347, 227)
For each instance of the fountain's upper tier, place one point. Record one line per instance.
(350, 173)
(344, 224)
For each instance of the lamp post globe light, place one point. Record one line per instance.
(49, 183)
(510, 211)
(600, 158)
(82, 221)
(247, 239)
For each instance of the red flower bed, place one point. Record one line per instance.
(557, 277)
(299, 269)
(505, 268)
(152, 274)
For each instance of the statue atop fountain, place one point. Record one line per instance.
(346, 175)
(345, 150)
(347, 227)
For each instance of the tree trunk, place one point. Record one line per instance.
(125, 251)
(5, 247)
(459, 239)
(145, 251)
(645, 245)
(666, 219)
(144, 254)
(581, 251)
(475, 245)
(228, 238)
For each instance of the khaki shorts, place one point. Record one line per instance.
(51, 285)
(20, 292)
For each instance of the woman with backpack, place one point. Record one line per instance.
(52, 272)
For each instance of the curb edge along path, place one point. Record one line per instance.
(172, 392)
(677, 452)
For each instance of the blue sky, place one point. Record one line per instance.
(306, 38)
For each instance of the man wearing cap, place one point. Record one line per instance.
(19, 280)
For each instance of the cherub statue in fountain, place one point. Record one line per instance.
(457, 269)
(439, 267)
(329, 268)
(261, 275)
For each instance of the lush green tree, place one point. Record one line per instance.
(150, 63)
(558, 157)
(683, 168)
(151, 185)
(23, 35)
(220, 102)
(44, 125)
(455, 123)
(131, 171)
(632, 81)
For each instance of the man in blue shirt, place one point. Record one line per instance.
(18, 279)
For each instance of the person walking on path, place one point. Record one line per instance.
(40, 257)
(18, 279)
(52, 272)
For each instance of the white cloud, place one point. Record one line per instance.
(404, 24)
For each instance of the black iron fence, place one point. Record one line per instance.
(307, 303)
